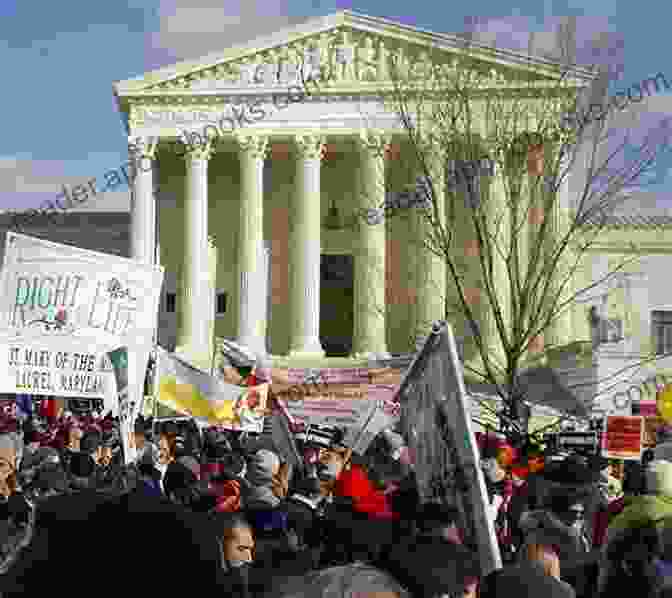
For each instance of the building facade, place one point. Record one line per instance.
(260, 218)
(271, 197)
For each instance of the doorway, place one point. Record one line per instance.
(336, 304)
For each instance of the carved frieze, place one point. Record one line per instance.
(341, 57)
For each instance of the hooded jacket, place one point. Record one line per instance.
(656, 506)
(259, 495)
(355, 484)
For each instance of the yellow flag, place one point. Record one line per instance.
(664, 403)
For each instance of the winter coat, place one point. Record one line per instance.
(259, 494)
(656, 507)
(356, 485)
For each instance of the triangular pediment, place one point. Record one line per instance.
(354, 49)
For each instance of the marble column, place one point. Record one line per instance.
(369, 284)
(431, 268)
(251, 297)
(305, 249)
(196, 281)
(143, 202)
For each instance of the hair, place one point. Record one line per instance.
(223, 524)
(357, 579)
(171, 439)
(543, 555)
(82, 520)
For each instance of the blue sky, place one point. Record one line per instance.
(59, 60)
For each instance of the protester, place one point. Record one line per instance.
(106, 529)
(263, 470)
(632, 559)
(227, 479)
(356, 580)
(430, 565)
(656, 506)
(523, 580)
(144, 450)
(237, 546)
(547, 557)
(8, 465)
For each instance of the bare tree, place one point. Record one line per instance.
(530, 191)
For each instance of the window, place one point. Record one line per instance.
(661, 331)
(171, 299)
(220, 308)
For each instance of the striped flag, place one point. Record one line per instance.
(193, 392)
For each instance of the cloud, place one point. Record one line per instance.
(26, 183)
(593, 40)
(191, 29)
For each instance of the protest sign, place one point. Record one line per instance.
(60, 290)
(59, 367)
(327, 410)
(623, 437)
(436, 425)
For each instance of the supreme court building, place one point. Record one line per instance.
(259, 228)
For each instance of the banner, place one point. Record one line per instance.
(189, 390)
(52, 289)
(56, 367)
(623, 437)
(436, 424)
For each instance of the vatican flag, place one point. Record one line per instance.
(188, 390)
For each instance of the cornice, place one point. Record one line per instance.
(328, 29)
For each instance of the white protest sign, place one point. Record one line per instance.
(58, 288)
(53, 366)
(55, 289)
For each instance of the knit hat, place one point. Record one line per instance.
(659, 477)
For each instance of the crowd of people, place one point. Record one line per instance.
(215, 510)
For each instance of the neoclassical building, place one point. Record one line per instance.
(250, 217)
(260, 231)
